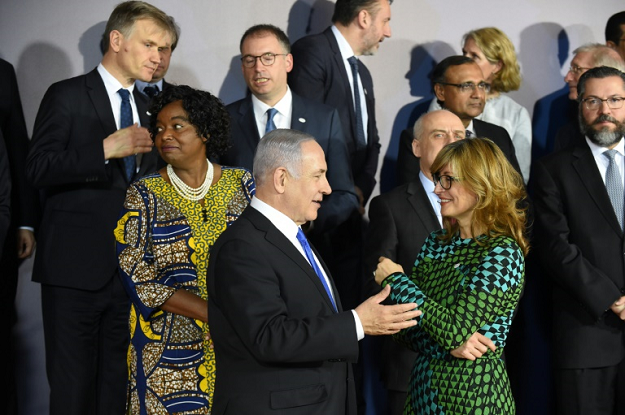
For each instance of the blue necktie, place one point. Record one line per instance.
(151, 90)
(311, 258)
(614, 185)
(361, 142)
(270, 126)
(125, 120)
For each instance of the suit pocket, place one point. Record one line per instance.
(291, 398)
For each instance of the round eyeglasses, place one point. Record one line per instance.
(266, 58)
(444, 180)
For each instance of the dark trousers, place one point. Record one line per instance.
(595, 391)
(86, 338)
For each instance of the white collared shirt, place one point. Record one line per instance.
(435, 201)
(603, 162)
(347, 52)
(470, 128)
(112, 85)
(289, 229)
(282, 119)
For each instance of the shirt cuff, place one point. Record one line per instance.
(360, 331)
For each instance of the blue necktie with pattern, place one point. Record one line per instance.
(270, 126)
(311, 258)
(125, 120)
(151, 90)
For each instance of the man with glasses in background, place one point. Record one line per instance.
(460, 88)
(265, 61)
(578, 200)
(585, 57)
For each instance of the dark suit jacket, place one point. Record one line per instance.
(581, 246)
(5, 193)
(280, 348)
(319, 74)
(318, 120)
(408, 165)
(24, 198)
(400, 221)
(83, 194)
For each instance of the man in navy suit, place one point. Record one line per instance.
(265, 62)
(578, 194)
(83, 157)
(283, 341)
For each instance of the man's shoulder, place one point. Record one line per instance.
(312, 106)
(489, 126)
(234, 107)
(398, 195)
(309, 43)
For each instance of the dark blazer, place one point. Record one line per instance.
(318, 120)
(581, 246)
(319, 74)
(83, 194)
(280, 347)
(408, 164)
(5, 193)
(400, 221)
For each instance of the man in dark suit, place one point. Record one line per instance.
(401, 220)
(158, 83)
(579, 215)
(324, 72)
(5, 193)
(83, 157)
(283, 343)
(267, 83)
(459, 87)
(20, 242)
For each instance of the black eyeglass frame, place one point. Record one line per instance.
(615, 104)
(271, 56)
(440, 178)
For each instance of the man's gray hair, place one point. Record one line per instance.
(279, 148)
(602, 55)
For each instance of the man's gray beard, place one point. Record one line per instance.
(603, 137)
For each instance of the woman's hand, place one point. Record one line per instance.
(474, 348)
(385, 268)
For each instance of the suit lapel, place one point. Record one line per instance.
(247, 124)
(586, 167)
(420, 202)
(299, 119)
(102, 105)
(277, 239)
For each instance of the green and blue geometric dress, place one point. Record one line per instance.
(462, 287)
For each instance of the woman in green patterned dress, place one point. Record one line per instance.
(467, 278)
(170, 220)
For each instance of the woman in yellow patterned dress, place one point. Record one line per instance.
(170, 220)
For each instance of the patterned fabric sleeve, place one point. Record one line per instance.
(135, 250)
(486, 303)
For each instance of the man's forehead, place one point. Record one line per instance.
(467, 71)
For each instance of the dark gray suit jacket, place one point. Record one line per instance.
(280, 347)
(581, 246)
(318, 120)
(400, 221)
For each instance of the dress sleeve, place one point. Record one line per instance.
(485, 304)
(147, 283)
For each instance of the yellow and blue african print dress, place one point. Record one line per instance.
(462, 287)
(163, 243)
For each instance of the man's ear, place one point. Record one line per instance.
(280, 178)
(416, 148)
(439, 91)
(115, 40)
(610, 44)
(364, 19)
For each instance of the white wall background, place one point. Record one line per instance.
(52, 40)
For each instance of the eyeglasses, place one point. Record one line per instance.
(469, 86)
(444, 180)
(267, 59)
(577, 70)
(594, 103)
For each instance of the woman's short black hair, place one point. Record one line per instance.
(205, 111)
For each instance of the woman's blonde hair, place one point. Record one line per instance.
(496, 46)
(483, 169)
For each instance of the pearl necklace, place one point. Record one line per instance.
(188, 192)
